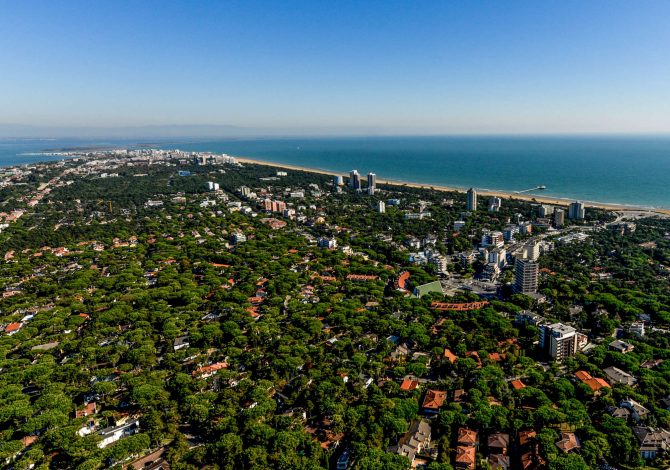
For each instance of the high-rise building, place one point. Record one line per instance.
(509, 232)
(545, 210)
(558, 340)
(495, 203)
(471, 200)
(381, 207)
(271, 205)
(559, 218)
(372, 183)
(525, 276)
(531, 251)
(338, 180)
(498, 256)
(354, 180)
(576, 211)
(493, 239)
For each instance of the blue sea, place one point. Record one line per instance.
(622, 170)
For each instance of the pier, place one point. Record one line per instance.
(536, 188)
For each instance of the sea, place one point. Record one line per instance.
(631, 171)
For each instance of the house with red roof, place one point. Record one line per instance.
(209, 370)
(88, 410)
(465, 457)
(568, 442)
(409, 384)
(13, 328)
(518, 384)
(448, 355)
(595, 384)
(434, 400)
(466, 449)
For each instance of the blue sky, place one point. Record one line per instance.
(329, 67)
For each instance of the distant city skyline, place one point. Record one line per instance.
(320, 68)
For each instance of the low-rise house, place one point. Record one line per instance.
(88, 410)
(637, 411)
(12, 328)
(181, 342)
(113, 433)
(466, 449)
(449, 356)
(637, 328)
(499, 462)
(467, 437)
(400, 352)
(569, 442)
(415, 441)
(650, 364)
(653, 442)
(45, 346)
(621, 346)
(498, 443)
(618, 412)
(434, 400)
(466, 457)
(518, 384)
(595, 384)
(209, 370)
(153, 461)
(616, 375)
(361, 277)
(409, 384)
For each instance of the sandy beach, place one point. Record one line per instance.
(626, 209)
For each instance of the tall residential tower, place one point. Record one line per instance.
(471, 200)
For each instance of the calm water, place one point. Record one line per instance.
(617, 170)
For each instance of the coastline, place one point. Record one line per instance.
(556, 201)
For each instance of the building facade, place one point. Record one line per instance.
(558, 340)
(471, 204)
(576, 211)
(354, 180)
(525, 276)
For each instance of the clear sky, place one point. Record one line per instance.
(337, 66)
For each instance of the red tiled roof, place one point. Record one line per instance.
(594, 384)
(28, 440)
(13, 327)
(451, 357)
(89, 409)
(518, 384)
(210, 368)
(434, 399)
(467, 437)
(362, 277)
(568, 442)
(465, 455)
(496, 357)
(409, 384)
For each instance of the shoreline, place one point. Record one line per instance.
(556, 201)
